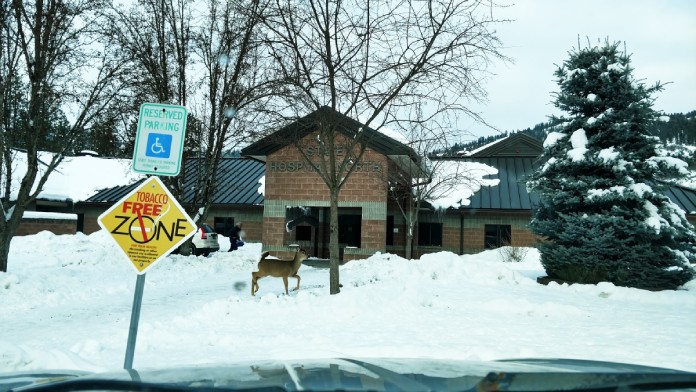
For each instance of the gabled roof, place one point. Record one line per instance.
(114, 194)
(346, 125)
(515, 157)
(237, 183)
(515, 160)
(511, 193)
(516, 145)
(683, 197)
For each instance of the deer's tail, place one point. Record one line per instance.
(265, 254)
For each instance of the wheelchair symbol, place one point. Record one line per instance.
(157, 148)
(158, 145)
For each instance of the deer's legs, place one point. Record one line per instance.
(296, 276)
(285, 282)
(254, 283)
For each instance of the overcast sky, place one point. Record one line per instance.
(660, 35)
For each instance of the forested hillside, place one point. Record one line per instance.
(677, 128)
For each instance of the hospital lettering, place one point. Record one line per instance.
(368, 167)
(289, 166)
(339, 150)
(296, 166)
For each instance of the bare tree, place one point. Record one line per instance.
(374, 61)
(233, 87)
(209, 59)
(51, 57)
(12, 100)
(155, 37)
(439, 183)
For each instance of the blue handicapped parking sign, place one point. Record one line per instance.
(159, 145)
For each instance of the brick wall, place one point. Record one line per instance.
(56, 223)
(373, 233)
(91, 214)
(291, 182)
(289, 177)
(474, 229)
(253, 231)
(251, 218)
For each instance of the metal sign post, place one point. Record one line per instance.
(148, 223)
(135, 319)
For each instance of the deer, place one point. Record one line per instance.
(278, 269)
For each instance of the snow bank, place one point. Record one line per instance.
(66, 302)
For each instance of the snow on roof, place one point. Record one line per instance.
(485, 146)
(76, 178)
(394, 135)
(49, 215)
(454, 182)
(388, 132)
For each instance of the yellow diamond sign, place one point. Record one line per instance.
(147, 224)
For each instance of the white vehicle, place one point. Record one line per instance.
(204, 241)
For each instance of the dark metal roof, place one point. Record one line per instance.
(683, 197)
(112, 195)
(237, 183)
(346, 125)
(516, 145)
(511, 193)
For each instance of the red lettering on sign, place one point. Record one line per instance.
(148, 209)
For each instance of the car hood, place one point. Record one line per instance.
(378, 374)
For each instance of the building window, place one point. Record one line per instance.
(223, 225)
(390, 229)
(497, 236)
(349, 229)
(303, 233)
(429, 234)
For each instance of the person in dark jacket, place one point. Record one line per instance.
(235, 235)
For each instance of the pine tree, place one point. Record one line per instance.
(603, 212)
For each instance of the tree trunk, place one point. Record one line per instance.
(8, 228)
(333, 245)
(5, 239)
(411, 220)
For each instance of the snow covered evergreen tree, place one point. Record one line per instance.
(603, 211)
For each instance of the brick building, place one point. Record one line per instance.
(297, 199)
(284, 203)
(497, 215)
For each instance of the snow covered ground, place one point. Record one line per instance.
(65, 303)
